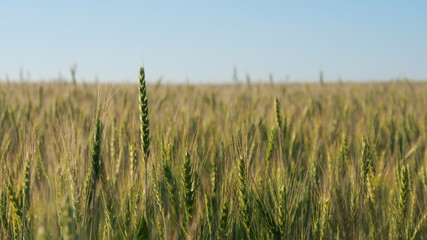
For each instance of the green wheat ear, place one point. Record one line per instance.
(278, 117)
(133, 163)
(403, 201)
(270, 146)
(190, 184)
(40, 164)
(245, 209)
(366, 161)
(143, 109)
(96, 151)
(26, 185)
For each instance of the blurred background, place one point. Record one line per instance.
(213, 41)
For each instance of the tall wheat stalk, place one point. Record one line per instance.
(145, 131)
(95, 174)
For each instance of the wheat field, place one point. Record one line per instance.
(236, 161)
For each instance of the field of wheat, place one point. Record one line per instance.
(238, 161)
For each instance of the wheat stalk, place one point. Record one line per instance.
(95, 174)
(145, 131)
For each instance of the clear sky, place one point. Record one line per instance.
(201, 41)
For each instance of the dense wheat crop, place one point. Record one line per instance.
(241, 161)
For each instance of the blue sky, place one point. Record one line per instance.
(201, 41)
